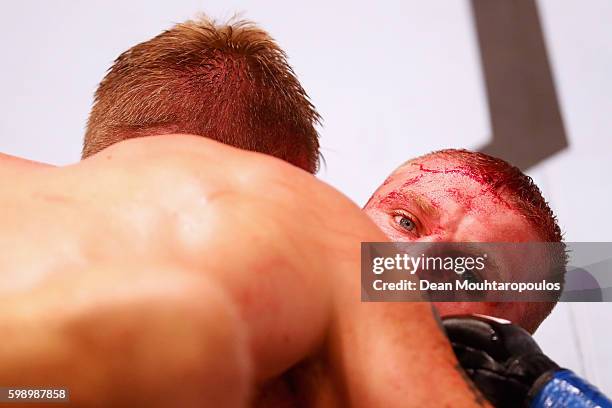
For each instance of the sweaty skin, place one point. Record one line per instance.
(177, 271)
(437, 199)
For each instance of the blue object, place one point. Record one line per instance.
(566, 389)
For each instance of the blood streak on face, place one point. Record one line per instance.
(445, 196)
(460, 197)
(438, 199)
(466, 171)
(410, 181)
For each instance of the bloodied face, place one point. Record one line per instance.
(439, 199)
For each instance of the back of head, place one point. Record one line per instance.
(228, 82)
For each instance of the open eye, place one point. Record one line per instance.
(405, 222)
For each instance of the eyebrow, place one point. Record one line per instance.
(401, 197)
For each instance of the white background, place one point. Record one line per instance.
(392, 79)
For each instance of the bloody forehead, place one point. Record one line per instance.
(507, 184)
(442, 168)
(462, 170)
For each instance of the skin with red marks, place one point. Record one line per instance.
(446, 201)
(467, 172)
(183, 272)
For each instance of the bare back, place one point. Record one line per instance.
(212, 240)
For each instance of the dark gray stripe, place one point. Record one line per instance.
(525, 116)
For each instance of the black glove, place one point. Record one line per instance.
(502, 359)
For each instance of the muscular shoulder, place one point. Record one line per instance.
(174, 164)
(174, 160)
(208, 203)
(269, 233)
